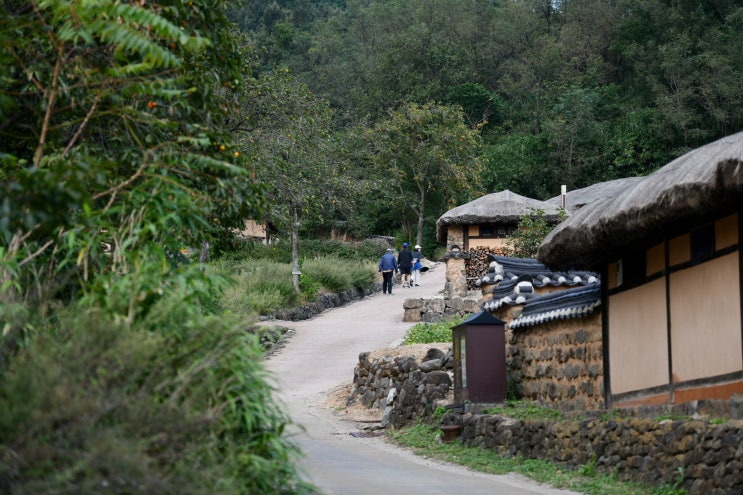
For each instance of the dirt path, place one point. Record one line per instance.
(319, 358)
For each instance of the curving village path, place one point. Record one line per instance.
(321, 355)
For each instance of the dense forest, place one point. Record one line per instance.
(564, 92)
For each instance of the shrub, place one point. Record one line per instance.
(258, 286)
(96, 404)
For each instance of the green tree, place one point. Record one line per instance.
(426, 148)
(531, 231)
(288, 135)
(108, 134)
(113, 156)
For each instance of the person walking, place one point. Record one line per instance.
(387, 267)
(405, 262)
(416, 270)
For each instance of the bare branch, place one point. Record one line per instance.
(82, 126)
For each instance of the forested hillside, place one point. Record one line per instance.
(569, 92)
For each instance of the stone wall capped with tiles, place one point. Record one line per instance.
(557, 363)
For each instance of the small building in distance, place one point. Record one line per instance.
(487, 221)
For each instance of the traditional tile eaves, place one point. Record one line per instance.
(517, 278)
(575, 302)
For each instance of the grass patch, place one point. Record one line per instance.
(336, 275)
(429, 333)
(263, 286)
(524, 410)
(260, 286)
(422, 440)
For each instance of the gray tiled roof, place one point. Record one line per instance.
(575, 302)
(517, 278)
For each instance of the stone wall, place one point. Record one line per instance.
(323, 302)
(456, 276)
(707, 457)
(558, 363)
(435, 309)
(405, 389)
(455, 236)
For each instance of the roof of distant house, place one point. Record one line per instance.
(500, 207)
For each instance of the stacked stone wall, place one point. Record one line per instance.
(706, 458)
(455, 236)
(405, 389)
(558, 363)
(456, 277)
(438, 308)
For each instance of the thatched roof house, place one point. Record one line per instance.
(668, 249)
(707, 179)
(492, 216)
(579, 198)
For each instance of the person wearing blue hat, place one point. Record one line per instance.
(405, 262)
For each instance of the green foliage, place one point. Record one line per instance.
(568, 93)
(337, 276)
(106, 139)
(424, 148)
(263, 286)
(345, 251)
(428, 333)
(531, 231)
(437, 415)
(258, 286)
(93, 402)
(114, 155)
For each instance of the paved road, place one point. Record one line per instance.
(320, 356)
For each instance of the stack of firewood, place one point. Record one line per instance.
(477, 264)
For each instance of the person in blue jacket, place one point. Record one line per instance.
(388, 268)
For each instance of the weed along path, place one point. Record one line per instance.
(320, 356)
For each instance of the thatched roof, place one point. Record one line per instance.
(581, 197)
(500, 207)
(707, 179)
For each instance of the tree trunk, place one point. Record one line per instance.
(421, 216)
(204, 254)
(295, 248)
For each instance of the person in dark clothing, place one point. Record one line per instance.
(405, 262)
(387, 267)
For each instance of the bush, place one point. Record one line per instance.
(96, 404)
(263, 286)
(281, 251)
